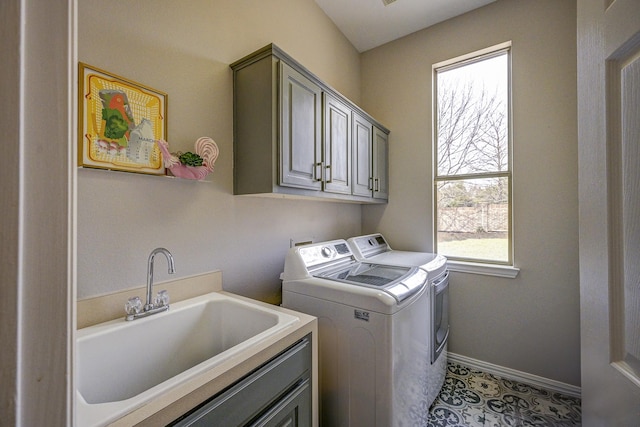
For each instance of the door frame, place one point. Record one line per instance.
(38, 175)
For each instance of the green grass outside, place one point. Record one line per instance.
(494, 249)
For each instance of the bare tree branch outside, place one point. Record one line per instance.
(472, 155)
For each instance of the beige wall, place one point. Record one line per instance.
(530, 323)
(113, 256)
(184, 49)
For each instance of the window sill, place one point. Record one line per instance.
(484, 269)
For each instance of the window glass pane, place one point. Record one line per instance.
(472, 117)
(473, 219)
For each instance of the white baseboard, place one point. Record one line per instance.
(512, 374)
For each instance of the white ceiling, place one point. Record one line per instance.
(369, 23)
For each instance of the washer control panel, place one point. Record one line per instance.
(322, 253)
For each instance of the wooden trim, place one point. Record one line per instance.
(10, 39)
(42, 287)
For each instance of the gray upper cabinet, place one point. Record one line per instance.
(337, 146)
(300, 144)
(362, 161)
(370, 159)
(296, 136)
(380, 164)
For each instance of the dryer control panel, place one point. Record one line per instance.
(369, 246)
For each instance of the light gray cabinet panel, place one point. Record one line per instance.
(380, 164)
(371, 159)
(296, 136)
(362, 163)
(337, 146)
(300, 144)
(255, 149)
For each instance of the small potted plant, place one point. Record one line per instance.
(190, 165)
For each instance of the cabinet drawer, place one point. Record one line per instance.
(258, 394)
(291, 411)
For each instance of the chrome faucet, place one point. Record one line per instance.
(161, 302)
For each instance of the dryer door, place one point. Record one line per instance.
(440, 315)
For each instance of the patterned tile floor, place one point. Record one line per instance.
(474, 398)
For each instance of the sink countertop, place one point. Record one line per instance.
(188, 395)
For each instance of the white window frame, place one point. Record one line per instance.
(499, 269)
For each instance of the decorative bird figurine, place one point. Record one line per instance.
(205, 147)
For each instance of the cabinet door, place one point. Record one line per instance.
(300, 130)
(362, 161)
(278, 390)
(380, 164)
(337, 146)
(293, 410)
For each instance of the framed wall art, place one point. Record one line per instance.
(119, 122)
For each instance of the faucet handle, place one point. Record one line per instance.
(162, 299)
(133, 305)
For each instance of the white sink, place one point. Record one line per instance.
(121, 365)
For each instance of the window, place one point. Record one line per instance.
(472, 152)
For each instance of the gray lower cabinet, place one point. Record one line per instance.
(276, 394)
(295, 135)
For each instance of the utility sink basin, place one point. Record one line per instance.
(121, 365)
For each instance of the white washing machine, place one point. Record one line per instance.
(375, 249)
(374, 346)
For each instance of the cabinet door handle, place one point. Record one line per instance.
(377, 184)
(317, 171)
(329, 174)
(371, 183)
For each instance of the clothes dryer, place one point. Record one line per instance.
(375, 249)
(374, 355)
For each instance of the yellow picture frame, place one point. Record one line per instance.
(119, 121)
